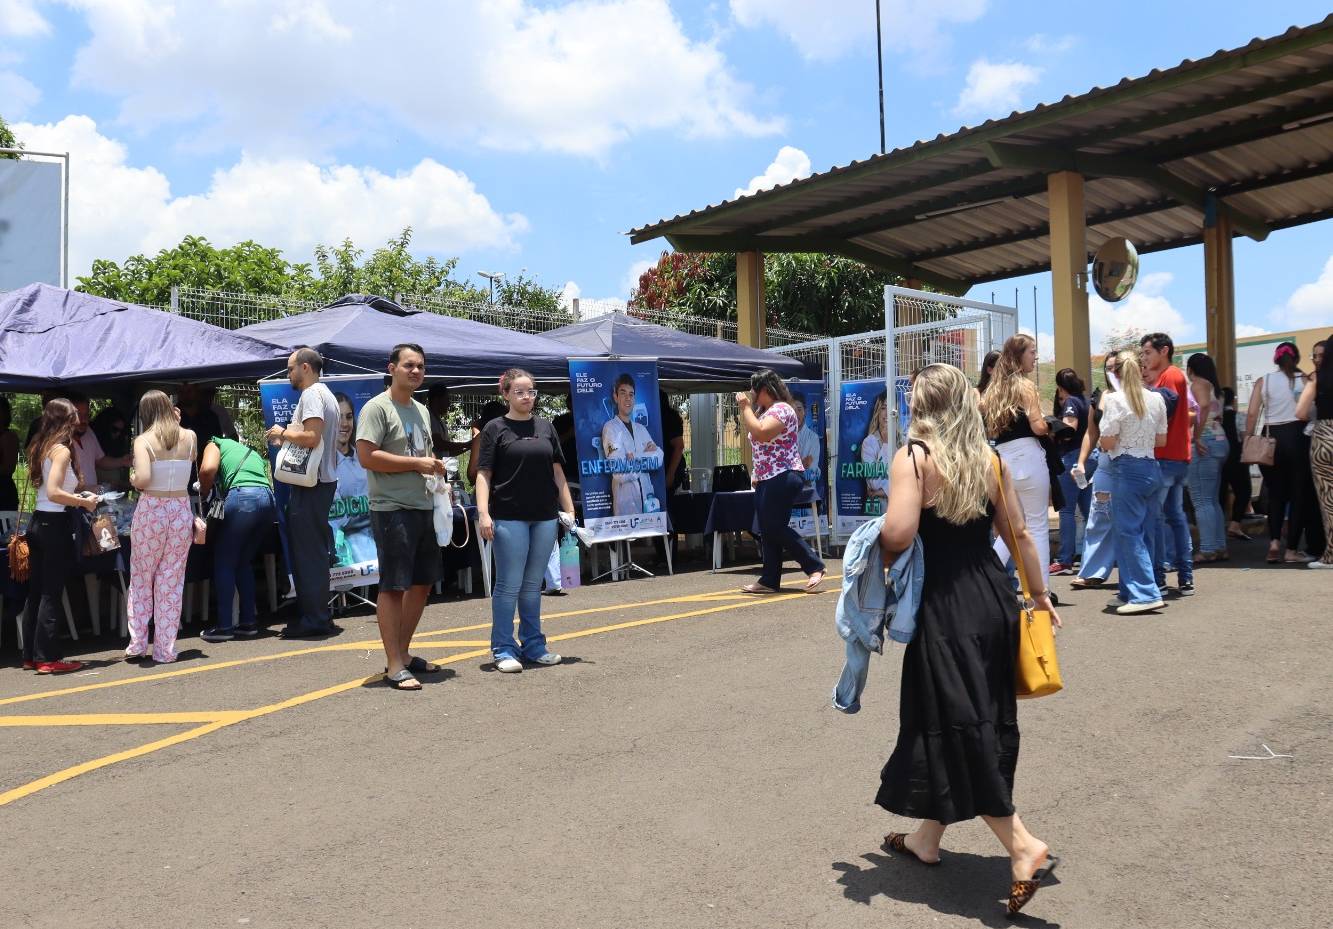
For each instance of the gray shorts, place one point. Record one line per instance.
(409, 555)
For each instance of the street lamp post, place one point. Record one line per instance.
(492, 277)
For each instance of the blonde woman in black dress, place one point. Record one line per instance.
(958, 737)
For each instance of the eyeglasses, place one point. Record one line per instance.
(523, 394)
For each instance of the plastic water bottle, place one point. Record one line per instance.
(1080, 477)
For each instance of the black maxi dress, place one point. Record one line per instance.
(958, 734)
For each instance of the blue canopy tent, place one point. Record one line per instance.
(52, 338)
(692, 363)
(360, 330)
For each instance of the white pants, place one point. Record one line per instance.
(1032, 483)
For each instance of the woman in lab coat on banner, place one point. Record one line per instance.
(875, 448)
(625, 440)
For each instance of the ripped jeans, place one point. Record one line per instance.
(1098, 539)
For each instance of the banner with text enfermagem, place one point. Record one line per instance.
(862, 482)
(355, 559)
(618, 431)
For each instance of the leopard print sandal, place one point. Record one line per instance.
(897, 842)
(1020, 892)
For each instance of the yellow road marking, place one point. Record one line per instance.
(95, 764)
(124, 719)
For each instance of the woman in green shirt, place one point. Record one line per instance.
(241, 477)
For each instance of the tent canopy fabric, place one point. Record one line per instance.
(361, 330)
(51, 338)
(683, 359)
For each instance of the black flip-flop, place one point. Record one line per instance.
(897, 842)
(1020, 892)
(422, 666)
(402, 680)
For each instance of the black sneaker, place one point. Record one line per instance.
(1186, 589)
(217, 635)
(246, 632)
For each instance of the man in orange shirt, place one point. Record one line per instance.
(1161, 374)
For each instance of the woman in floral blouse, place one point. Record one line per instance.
(768, 416)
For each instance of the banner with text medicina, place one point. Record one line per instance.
(865, 449)
(618, 433)
(355, 559)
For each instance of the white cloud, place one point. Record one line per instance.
(1244, 330)
(569, 293)
(789, 164)
(18, 94)
(1045, 343)
(994, 89)
(825, 31)
(1310, 306)
(20, 19)
(636, 271)
(118, 209)
(296, 76)
(1043, 44)
(1147, 309)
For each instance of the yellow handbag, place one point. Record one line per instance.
(1036, 670)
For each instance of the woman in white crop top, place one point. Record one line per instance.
(163, 527)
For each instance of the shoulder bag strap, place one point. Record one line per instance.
(1011, 541)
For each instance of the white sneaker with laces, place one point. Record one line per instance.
(549, 658)
(1132, 609)
(509, 665)
(1319, 565)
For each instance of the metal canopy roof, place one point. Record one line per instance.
(1248, 132)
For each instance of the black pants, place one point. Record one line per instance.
(1236, 479)
(310, 537)
(1286, 479)
(773, 503)
(52, 558)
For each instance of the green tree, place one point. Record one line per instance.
(389, 270)
(526, 292)
(816, 293)
(8, 140)
(247, 267)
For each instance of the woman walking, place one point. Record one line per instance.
(769, 418)
(51, 552)
(1211, 450)
(163, 527)
(1011, 409)
(241, 476)
(1071, 406)
(521, 493)
(1316, 404)
(1098, 535)
(1274, 399)
(1133, 428)
(957, 747)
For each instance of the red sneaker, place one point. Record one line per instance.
(29, 666)
(58, 667)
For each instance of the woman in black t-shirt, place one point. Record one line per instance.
(521, 498)
(1071, 406)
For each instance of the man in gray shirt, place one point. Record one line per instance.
(309, 533)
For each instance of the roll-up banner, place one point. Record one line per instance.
(355, 559)
(812, 445)
(618, 431)
(865, 449)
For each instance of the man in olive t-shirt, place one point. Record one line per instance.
(393, 443)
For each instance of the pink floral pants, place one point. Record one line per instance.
(161, 535)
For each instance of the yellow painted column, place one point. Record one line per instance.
(751, 321)
(1220, 296)
(1069, 265)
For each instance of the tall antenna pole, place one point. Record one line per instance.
(879, 57)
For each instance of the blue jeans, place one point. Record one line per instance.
(250, 513)
(1075, 500)
(522, 549)
(1169, 516)
(1098, 537)
(1205, 476)
(1136, 488)
(773, 500)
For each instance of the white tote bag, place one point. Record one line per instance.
(298, 466)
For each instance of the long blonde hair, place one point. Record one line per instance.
(1131, 384)
(1007, 393)
(945, 417)
(157, 416)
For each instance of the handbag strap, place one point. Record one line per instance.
(1011, 542)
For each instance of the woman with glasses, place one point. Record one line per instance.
(521, 492)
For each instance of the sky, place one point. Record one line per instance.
(529, 137)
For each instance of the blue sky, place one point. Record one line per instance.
(532, 135)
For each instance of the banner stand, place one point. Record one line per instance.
(619, 570)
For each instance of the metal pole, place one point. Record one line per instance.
(879, 58)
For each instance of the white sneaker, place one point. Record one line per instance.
(1317, 565)
(549, 658)
(509, 665)
(1132, 609)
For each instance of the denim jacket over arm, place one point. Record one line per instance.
(868, 600)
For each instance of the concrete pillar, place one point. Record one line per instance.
(750, 319)
(1069, 266)
(1220, 293)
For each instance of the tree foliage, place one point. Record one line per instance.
(8, 140)
(816, 293)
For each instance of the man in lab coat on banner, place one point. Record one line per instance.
(625, 440)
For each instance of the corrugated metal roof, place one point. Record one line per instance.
(1250, 126)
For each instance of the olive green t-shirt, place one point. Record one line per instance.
(399, 429)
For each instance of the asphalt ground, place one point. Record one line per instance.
(682, 768)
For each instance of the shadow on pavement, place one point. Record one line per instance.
(970, 886)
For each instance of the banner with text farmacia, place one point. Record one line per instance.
(618, 430)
